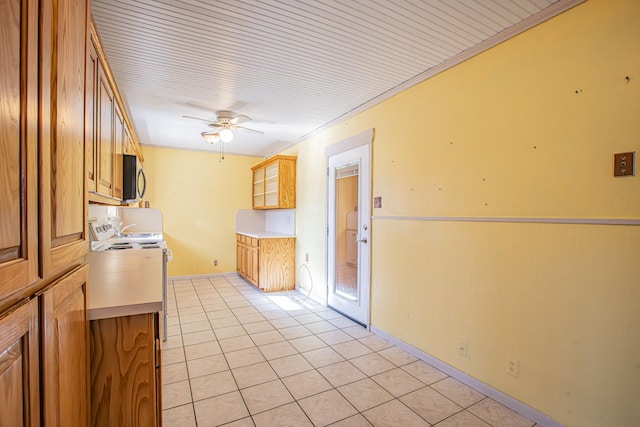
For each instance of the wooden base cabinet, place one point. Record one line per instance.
(268, 263)
(19, 360)
(247, 261)
(125, 371)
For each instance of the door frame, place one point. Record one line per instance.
(362, 139)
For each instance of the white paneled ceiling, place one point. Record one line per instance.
(293, 66)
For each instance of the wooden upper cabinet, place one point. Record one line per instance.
(18, 146)
(19, 374)
(65, 351)
(62, 134)
(108, 124)
(105, 135)
(91, 114)
(274, 183)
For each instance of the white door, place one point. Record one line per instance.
(349, 214)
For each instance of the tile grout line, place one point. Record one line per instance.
(241, 297)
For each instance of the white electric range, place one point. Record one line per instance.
(106, 239)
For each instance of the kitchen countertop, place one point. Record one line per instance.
(265, 234)
(124, 283)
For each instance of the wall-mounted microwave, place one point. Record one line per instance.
(134, 182)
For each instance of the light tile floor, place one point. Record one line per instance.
(238, 357)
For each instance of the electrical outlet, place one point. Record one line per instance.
(513, 367)
(462, 349)
(306, 257)
(215, 262)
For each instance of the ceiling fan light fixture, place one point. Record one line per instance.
(226, 135)
(211, 138)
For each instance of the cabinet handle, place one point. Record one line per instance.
(158, 353)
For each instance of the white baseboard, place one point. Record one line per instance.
(487, 390)
(203, 276)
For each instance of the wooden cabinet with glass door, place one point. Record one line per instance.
(274, 183)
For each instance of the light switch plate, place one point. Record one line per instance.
(624, 164)
(377, 202)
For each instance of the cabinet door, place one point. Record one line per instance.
(287, 183)
(239, 254)
(258, 188)
(118, 146)
(65, 351)
(18, 142)
(123, 371)
(62, 152)
(254, 253)
(20, 404)
(105, 134)
(91, 114)
(128, 141)
(271, 186)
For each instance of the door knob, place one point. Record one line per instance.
(363, 240)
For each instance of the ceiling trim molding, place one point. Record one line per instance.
(526, 24)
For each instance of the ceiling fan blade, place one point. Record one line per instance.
(239, 119)
(249, 129)
(198, 118)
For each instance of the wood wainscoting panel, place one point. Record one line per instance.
(277, 264)
(123, 371)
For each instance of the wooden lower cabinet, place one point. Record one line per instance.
(65, 351)
(268, 263)
(125, 371)
(19, 362)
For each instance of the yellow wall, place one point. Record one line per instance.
(526, 129)
(199, 197)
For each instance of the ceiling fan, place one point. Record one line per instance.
(223, 126)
